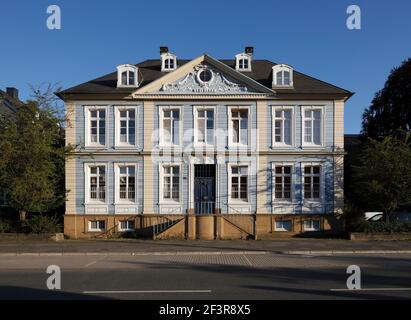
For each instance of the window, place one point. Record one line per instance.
(126, 126)
(97, 127)
(239, 183)
(283, 76)
(127, 182)
(282, 120)
(312, 182)
(170, 131)
(243, 62)
(168, 62)
(312, 126)
(282, 182)
(239, 126)
(3, 199)
(205, 76)
(283, 225)
(312, 225)
(97, 180)
(171, 182)
(126, 225)
(127, 75)
(97, 226)
(204, 126)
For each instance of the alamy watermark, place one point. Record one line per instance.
(54, 18)
(54, 280)
(354, 17)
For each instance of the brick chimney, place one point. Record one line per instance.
(12, 92)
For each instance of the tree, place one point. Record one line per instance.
(32, 156)
(390, 110)
(382, 178)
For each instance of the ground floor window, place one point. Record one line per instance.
(97, 181)
(171, 182)
(127, 182)
(239, 182)
(127, 225)
(283, 225)
(312, 182)
(97, 226)
(282, 185)
(312, 225)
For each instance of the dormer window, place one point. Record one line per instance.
(127, 76)
(243, 62)
(283, 76)
(168, 60)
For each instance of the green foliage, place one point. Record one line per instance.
(390, 112)
(33, 156)
(382, 179)
(381, 227)
(43, 224)
(5, 225)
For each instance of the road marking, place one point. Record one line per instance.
(94, 262)
(248, 260)
(374, 289)
(148, 291)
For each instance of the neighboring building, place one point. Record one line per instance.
(204, 148)
(9, 101)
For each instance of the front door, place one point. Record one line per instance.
(204, 188)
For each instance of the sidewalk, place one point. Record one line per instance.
(146, 247)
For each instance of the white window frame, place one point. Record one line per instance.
(229, 167)
(128, 229)
(117, 166)
(282, 68)
(161, 110)
(161, 184)
(87, 197)
(166, 56)
(293, 176)
(240, 57)
(117, 110)
(311, 228)
(90, 229)
(230, 126)
(282, 229)
(322, 126)
(322, 181)
(127, 68)
(87, 131)
(273, 120)
(196, 109)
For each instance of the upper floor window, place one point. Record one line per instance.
(127, 182)
(282, 131)
(243, 62)
(168, 61)
(239, 182)
(239, 126)
(204, 126)
(282, 182)
(283, 76)
(97, 182)
(126, 126)
(96, 122)
(171, 182)
(312, 182)
(170, 126)
(312, 126)
(127, 76)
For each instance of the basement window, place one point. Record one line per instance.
(97, 226)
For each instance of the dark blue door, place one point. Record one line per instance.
(204, 189)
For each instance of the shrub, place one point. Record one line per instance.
(382, 227)
(5, 226)
(43, 224)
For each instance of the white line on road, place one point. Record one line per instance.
(373, 289)
(148, 291)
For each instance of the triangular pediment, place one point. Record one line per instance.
(206, 76)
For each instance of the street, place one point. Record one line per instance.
(235, 275)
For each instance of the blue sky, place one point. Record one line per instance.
(96, 36)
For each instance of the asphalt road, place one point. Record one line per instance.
(207, 276)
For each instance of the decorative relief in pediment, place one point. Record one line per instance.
(205, 79)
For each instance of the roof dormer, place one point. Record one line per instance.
(168, 60)
(283, 76)
(243, 60)
(127, 76)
